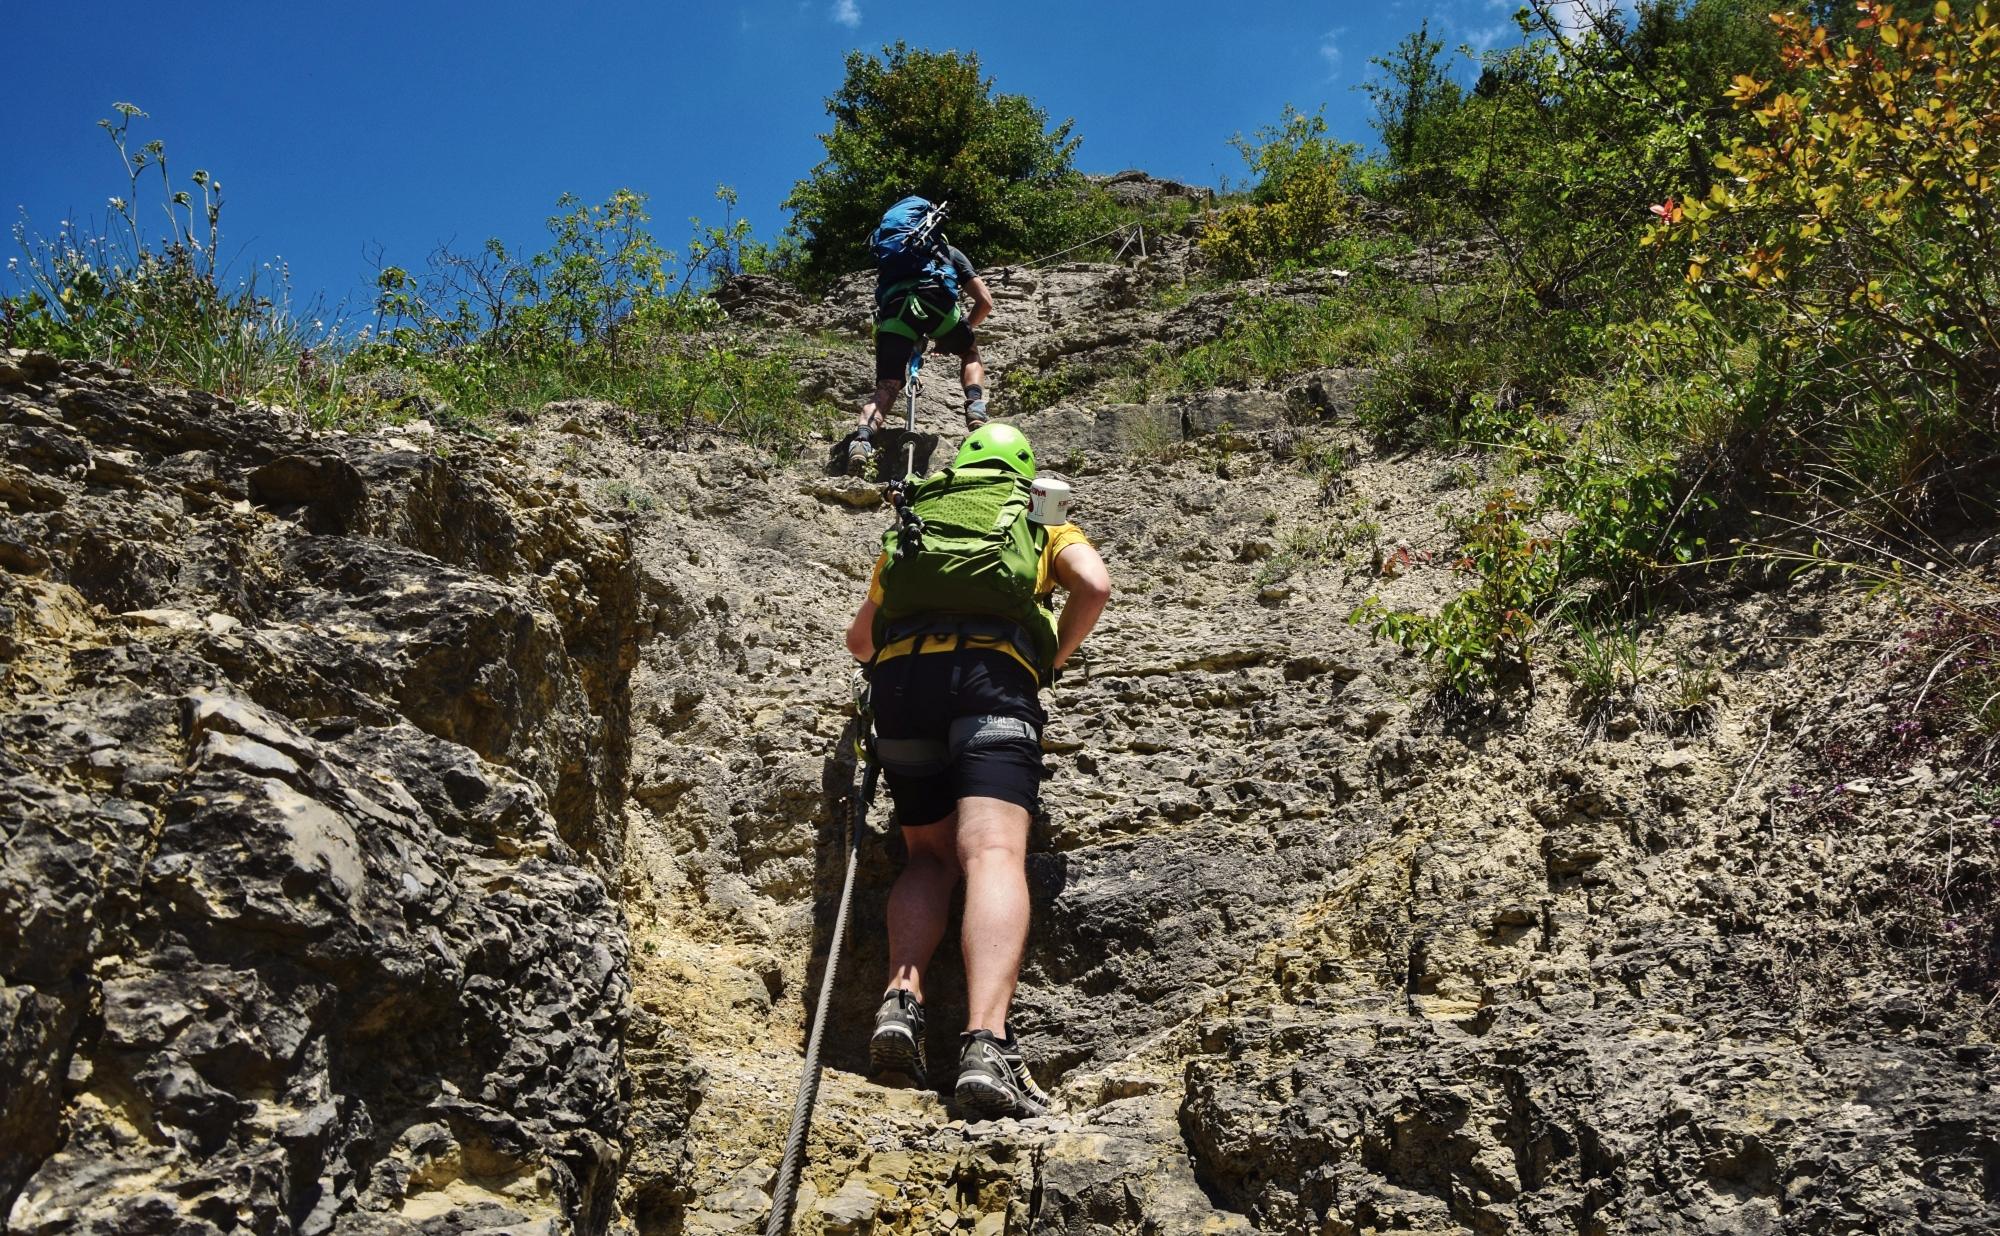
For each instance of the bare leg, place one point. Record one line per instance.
(920, 902)
(992, 850)
(878, 404)
(971, 370)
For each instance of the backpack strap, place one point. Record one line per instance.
(964, 627)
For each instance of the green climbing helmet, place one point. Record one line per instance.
(999, 442)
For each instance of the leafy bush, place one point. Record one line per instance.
(1297, 206)
(1550, 161)
(1489, 630)
(602, 267)
(1845, 272)
(604, 312)
(1564, 141)
(914, 121)
(1414, 97)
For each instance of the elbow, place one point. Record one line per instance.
(1093, 587)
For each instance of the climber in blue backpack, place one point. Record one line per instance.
(919, 281)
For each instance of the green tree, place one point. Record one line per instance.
(915, 121)
(1415, 94)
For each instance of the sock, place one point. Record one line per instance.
(975, 395)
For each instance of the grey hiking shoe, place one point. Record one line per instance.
(860, 453)
(897, 1045)
(975, 415)
(993, 1081)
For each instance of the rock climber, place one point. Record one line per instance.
(919, 283)
(956, 661)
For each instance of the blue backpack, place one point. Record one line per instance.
(909, 250)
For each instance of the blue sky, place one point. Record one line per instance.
(342, 130)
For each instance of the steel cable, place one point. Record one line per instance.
(784, 1193)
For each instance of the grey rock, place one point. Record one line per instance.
(311, 847)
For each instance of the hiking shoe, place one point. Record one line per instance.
(897, 1045)
(860, 453)
(993, 1080)
(975, 415)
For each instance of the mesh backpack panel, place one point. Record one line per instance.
(981, 556)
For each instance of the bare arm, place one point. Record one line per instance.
(1082, 574)
(861, 633)
(982, 302)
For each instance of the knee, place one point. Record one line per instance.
(992, 855)
(926, 851)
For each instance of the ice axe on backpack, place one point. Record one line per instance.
(928, 234)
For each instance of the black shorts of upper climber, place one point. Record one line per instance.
(892, 351)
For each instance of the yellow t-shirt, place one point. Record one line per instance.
(1061, 537)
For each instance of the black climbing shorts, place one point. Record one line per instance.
(920, 695)
(892, 351)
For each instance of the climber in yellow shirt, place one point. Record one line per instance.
(959, 643)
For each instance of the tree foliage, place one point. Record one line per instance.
(1297, 205)
(1852, 242)
(1416, 92)
(915, 121)
(1564, 140)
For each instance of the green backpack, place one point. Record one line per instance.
(981, 558)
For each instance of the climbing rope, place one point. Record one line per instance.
(785, 1193)
(910, 528)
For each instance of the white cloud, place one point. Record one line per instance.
(1330, 50)
(847, 13)
(1484, 40)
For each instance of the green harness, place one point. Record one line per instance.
(914, 318)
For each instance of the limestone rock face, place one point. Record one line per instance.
(1136, 188)
(310, 770)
